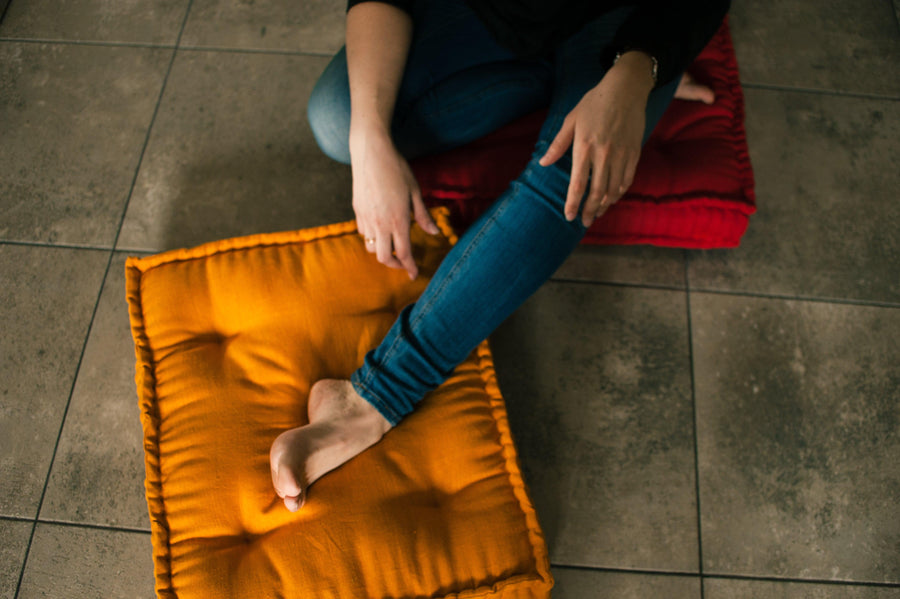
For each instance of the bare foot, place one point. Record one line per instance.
(341, 426)
(689, 89)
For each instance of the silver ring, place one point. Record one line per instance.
(370, 240)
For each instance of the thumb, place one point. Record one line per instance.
(560, 143)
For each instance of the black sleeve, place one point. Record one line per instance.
(672, 32)
(405, 5)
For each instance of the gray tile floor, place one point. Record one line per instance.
(720, 424)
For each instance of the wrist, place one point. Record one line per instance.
(640, 65)
(364, 131)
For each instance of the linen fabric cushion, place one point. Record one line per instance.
(693, 186)
(229, 338)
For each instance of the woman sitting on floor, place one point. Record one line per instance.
(417, 78)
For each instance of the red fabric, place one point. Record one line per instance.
(693, 187)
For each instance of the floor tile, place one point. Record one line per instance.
(840, 45)
(231, 154)
(798, 405)
(74, 119)
(597, 384)
(84, 563)
(827, 174)
(47, 296)
(136, 21)
(584, 584)
(635, 265)
(98, 474)
(718, 588)
(15, 535)
(308, 26)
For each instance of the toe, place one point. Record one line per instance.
(293, 503)
(285, 483)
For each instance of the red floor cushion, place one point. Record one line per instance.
(693, 187)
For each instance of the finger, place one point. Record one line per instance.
(421, 214)
(368, 239)
(614, 188)
(384, 251)
(404, 255)
(600, 179)
(577, 182)
(598, 191)
(628, 172)
(560, 143)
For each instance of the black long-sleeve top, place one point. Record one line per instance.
(673, 32)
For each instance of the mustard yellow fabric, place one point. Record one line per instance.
(229, 338)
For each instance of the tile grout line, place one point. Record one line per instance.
(91, 526)
(273, 51)
(162, 91)
(802, 298)
(819, 92)
(112, 253)
(62, 424)
(100, 43)
(694, 421)
(742, 577)
(16, 519)
(616, 284)
(787, 579)
(64, 246)
(736, 293)
(151, 45)
(614, 570)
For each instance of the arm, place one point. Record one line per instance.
(384, 188)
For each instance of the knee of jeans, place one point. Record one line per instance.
(329, 118)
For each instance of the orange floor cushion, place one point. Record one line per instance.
(230, 336)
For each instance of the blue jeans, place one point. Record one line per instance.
(459, 85)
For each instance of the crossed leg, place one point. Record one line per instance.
(343, 423)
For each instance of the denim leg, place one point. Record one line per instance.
(459, 84)
(501, 260)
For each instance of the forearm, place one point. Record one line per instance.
(378, 39)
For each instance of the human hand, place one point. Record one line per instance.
(384, 191)
(604, 130)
